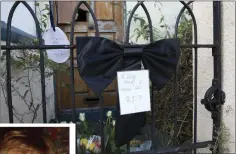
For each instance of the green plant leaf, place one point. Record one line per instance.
(36, 3)
(45, 16)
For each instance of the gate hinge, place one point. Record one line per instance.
(211, 99)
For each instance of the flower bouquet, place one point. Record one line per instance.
(87, 142)
(91, 143)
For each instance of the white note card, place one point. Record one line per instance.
(57, 37)
(134, 92)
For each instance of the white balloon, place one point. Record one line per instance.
(57, 38)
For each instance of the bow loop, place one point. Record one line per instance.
(161, 58)
(98, 58)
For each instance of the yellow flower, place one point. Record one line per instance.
(83, 142)
(91, 146)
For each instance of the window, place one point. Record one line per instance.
(66, 9)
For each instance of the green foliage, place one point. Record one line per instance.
(43, 15)
(143, 30)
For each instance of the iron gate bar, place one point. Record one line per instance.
(17, 47)
(175, 103)
(195, 73)
(153, 106)
(8, 61)
(101, 101)
(71, 51)
(216, 52)
(175, 75)
(55, 96)
(72, 57)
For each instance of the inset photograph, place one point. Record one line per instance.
(37, 139)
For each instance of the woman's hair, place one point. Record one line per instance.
(26, 142)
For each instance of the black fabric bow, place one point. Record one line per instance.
(99, 59)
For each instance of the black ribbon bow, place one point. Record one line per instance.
(99, 59)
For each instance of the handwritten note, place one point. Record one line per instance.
(134, 92)
(57, 37)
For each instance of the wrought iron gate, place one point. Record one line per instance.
(214, 97)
